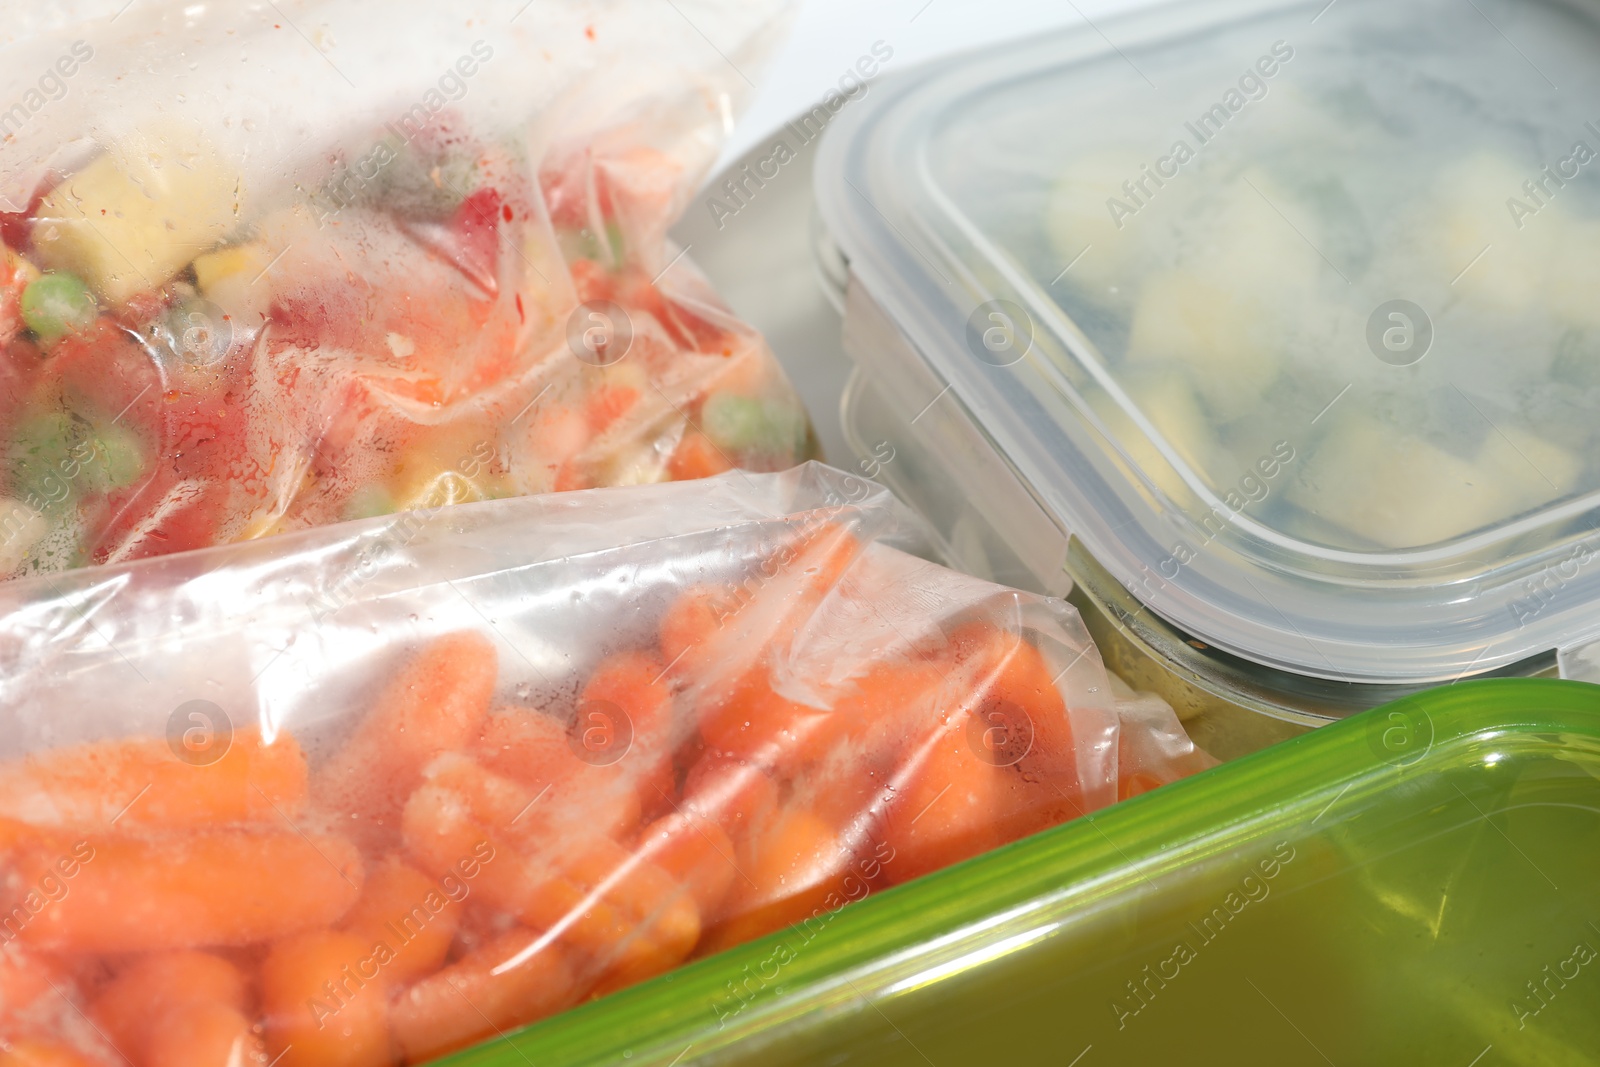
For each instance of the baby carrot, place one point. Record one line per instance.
(204, 1034)
(729, 631)
(411, 915)
(139, 782)
(622, 913)
(635, 684)
(752, 721)
(881, 713)
(736, 794)
(633, 919)
(946, 803)
(325, 1002)
(1010, 680)
(696, 457)
(436, 703)
(957, 795)
(493, 988)
(799, 870)
(769, 607)
(526, 745)
(213, 887)
(535, 751)
(1137, 783)
(34, 1053)
(128, 1009)
(696, 852)
(533, 818)
(688, 627)
(26, 979)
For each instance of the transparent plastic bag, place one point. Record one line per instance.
(266, 268)
(388, 788)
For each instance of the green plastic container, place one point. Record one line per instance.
(1416, 885)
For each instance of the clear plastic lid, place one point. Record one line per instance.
(1291, 313)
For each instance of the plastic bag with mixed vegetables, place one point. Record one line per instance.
(271, 267)
(378, 791)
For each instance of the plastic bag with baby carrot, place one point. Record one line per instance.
(267, 267)
(376, 792)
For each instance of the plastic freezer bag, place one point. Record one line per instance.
(272, 266)
(378, 791)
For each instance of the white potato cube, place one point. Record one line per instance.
(138, 214)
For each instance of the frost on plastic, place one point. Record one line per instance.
(315, 795)
(268, 269)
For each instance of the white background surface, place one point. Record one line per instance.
(828, 37)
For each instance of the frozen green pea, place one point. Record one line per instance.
(114, 458)
(733, 422)
(42, 465)
(583, 244)
(742, 424)
(56, 456)
(56, 304)
(369, 502)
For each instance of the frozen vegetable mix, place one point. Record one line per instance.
(320, 283)
(1291, 333)
(499, 773)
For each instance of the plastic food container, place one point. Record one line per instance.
(1266, 325)
(1410, 886)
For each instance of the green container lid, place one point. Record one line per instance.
(1416, 885)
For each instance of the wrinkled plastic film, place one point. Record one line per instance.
(260, 274)
(591, 736)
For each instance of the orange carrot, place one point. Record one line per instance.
(607, 403)
(882, 713)
(526, 745)
(622, 913)
(536, 819)
(736, 707)
(956, 796)
(324, 999)
(1137, 783)
(536, 751)
(696, 457)
(800, 870)
(26, 979)
(204, 1034)
(436, 703)
(633, 683)
(753, 722)
(129, 1008)
(139, 782)
(736, 794)
(1010, 680)
(689, 625)
(412, 915)
(491, 989)
(696, 852)
(214, 887)
(34, 1053)
(946, 804)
